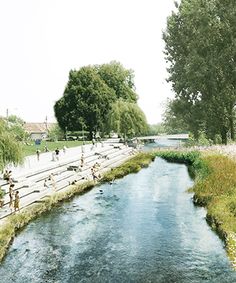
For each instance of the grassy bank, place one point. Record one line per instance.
(215, 189)
(31, 148)
(15, 222)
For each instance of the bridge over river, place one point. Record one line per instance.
(182, 137)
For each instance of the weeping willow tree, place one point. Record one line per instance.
(127, 119)
(10, 149)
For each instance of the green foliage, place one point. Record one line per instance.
(187, 158)
(200, 49)
(156, 129)
(89, 95)
(197, 166)
(173, 121)
(201, 141)
(15, 126)
(119, 79)
(127, 119)
(56, 133)
(86, 102)
(10, 149)
(218, 192)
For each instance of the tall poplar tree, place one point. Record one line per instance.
(200, 48)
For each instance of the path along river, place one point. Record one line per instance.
(143, 228)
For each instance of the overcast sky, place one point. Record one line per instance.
(41, 41)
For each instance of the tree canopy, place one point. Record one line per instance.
(16, 126)
(90, 95)
(200, 49)
(119, 79)
(127, 119)
(86, 101)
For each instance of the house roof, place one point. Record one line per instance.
(38, 127)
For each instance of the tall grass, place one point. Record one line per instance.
(215, 189)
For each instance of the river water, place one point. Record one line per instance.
(142, 228)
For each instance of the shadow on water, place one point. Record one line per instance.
(144, 228)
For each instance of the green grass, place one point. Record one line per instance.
(31, 149)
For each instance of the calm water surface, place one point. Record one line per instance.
(143, 228)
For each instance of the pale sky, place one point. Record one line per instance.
(41, 41)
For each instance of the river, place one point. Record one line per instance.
(142, 228)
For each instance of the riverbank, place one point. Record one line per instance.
(215, 189)
(15, 222)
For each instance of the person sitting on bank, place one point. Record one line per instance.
(52, 180)
(7, 176)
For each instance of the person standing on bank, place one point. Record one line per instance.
(11, 194)
(82, 160)
(17, 201)
(38, 153)
(57, 151)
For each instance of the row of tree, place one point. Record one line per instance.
(201, 52)
(101, 98)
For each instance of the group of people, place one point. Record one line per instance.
(7, 176)
(50, 181)
(55, 153)
(14, 197)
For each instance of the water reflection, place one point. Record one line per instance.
(144, 228)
